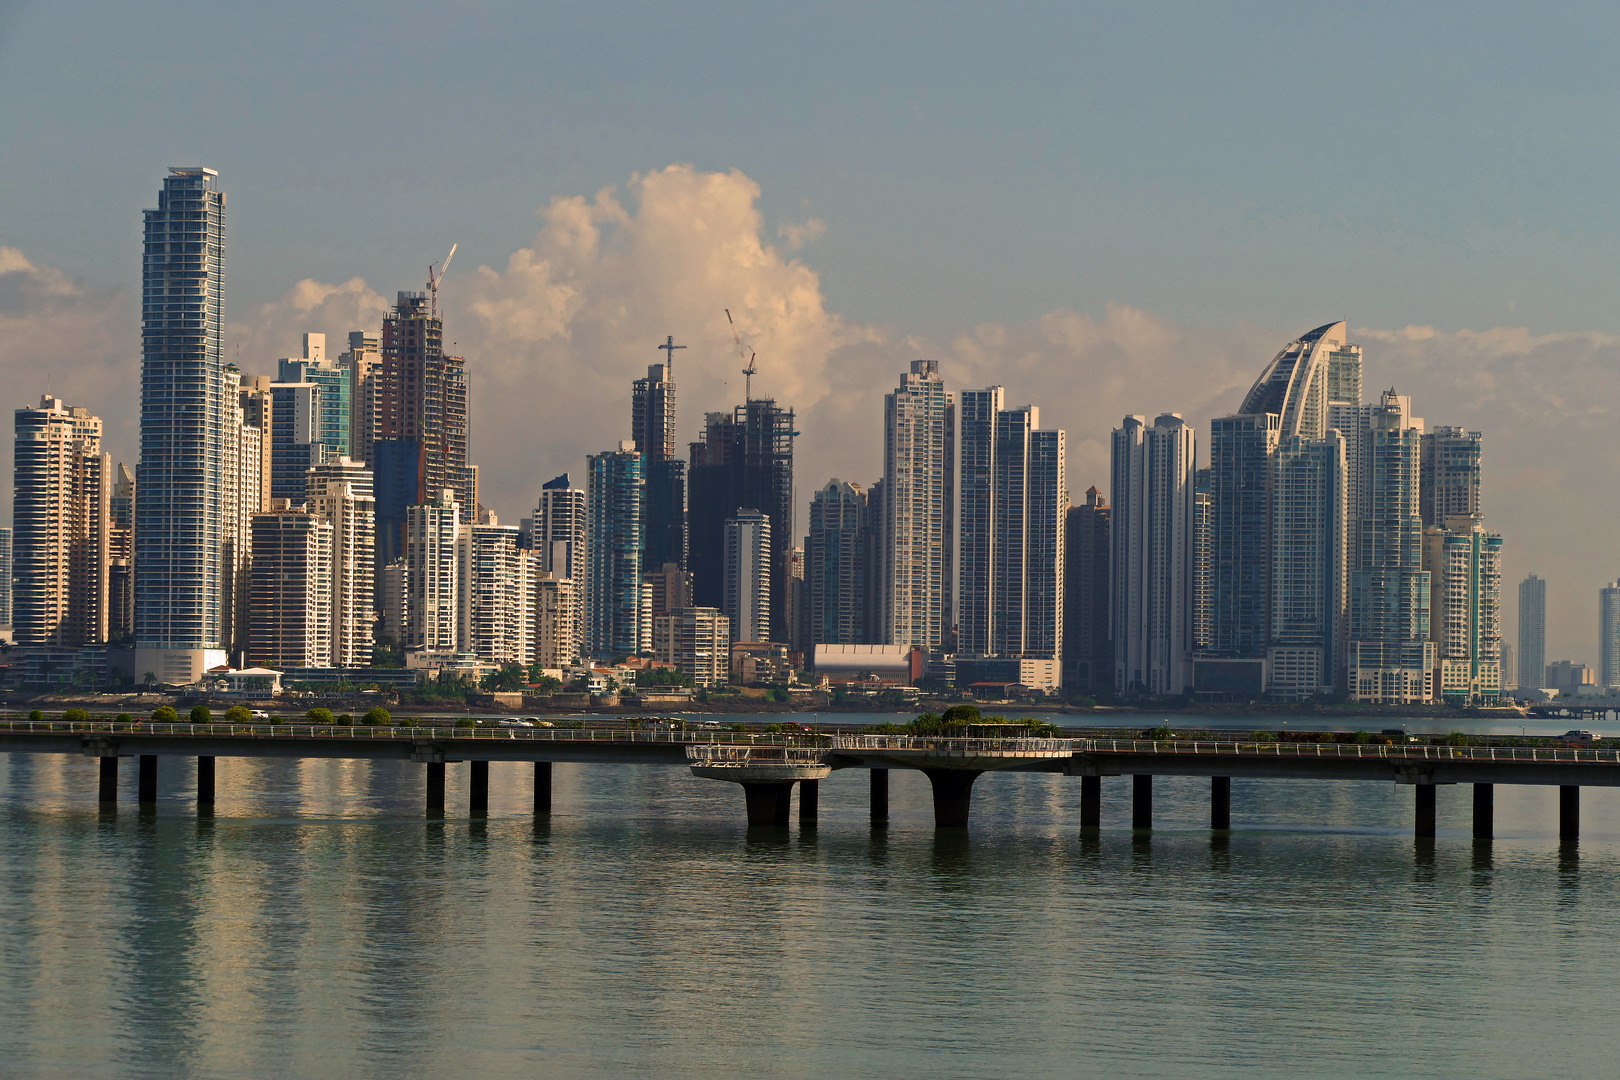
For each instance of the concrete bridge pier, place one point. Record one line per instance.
(1220, 803)
(1424, 827)
(1142, 801)
(478, 789)
(1484, 811)
(953, 796)
(109, 780)
(542, 787)
(809, 802)
(1091, 802)
(205, 782)
(147, 787)
(435, 788)
(768, 803)
(1569, 812)
(880, 798)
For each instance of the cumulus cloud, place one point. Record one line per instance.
(276, 329)
(797, 234)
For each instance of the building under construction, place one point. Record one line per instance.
(744, 461)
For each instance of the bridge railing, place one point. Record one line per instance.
(921, 742)
(721, 754)
(410, 734)
(1346, 751)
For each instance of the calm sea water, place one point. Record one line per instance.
(318, 926)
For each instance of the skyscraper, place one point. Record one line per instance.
(1450, 486)
(744, 460)
(1305, 653)
(652, 426)
(61, 525)
(295, 439)
(975, 594)
(747, 591)
(1088, 663)
(1609, 634)
(1392, 659)
(5, 578)
(1532, 632)
(243, 494)
(432, 574)
(919, 481)
(1465, 568)
(334, 423)
(497, 595)
(339, 492)
(363, 362)
(1150, 550)
(835, 565)
(613, 593)
(291, 611)
(121, 560)
(179, 497)
(1203, 565)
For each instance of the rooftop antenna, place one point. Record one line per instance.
(743, 353)
(433, 282)
(669, 347)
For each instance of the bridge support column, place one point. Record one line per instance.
(1091, 802)
(1141, 801)
(1220, 803)
(1424, 828)
(768, 804)
(205, 781)
(953, 796)
(1484, 811)
(435, 787)
(542, 787)
(1569, 812)
(109, 780)
(880, 798)
(809, 802)
(147, 788)
(478, 789)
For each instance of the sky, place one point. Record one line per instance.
(1106, 208)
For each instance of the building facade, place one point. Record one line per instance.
(747, 591)
(1150, 552)
(340, 493)
(432, 575)
(1088, 662)
(836, 562)
(1306, 653)
(1451, 482)
(613, 593)
(1465, 567)
(1532, 632)
(1609, 634)
(180, 494)
(697, 641)
(291, 620)
(919, 496)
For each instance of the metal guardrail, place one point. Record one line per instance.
(920, 742)
(1347, 751)
(719, 754)
(403, 734)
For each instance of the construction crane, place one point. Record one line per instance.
(433, 282)
(748, 372)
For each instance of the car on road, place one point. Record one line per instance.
(1580, 736)
(512, 721)
(535, 721)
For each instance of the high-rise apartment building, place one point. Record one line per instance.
(1450, 485)
(120, 559)
(340, 493)
(697, 641)
(363, 363)
(1465, 586)
(747, 589)
(1150, 551)
(5, 578)
(290, 624)
(671, 588)
(652, 427)
(1088, 661)
(184, 414)
(1240, 475)
(1392, 659)
(295, 437)
(1609, 634)
(1306, 651)
(560, 530)
(744, 460)
(334, 423)
(497, 595)
(976, 477)
(432, 574)
(918, 510)
(1532, 632)
(243, 494)
(558, 614)
(393, 604)
(60, 527)
(1203, 567)
(836, 558)
(613, 593)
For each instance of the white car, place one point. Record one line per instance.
(513, 721)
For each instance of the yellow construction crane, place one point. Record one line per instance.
(743, 353)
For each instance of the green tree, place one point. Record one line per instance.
(345, 719)
(125, 718)
(961, 715)
(201, 714)
(75, 716)
(36, 715)
(238, 714)
(377, 716)
(319, 716)
(164, 714)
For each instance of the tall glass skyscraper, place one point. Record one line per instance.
(184, 413)
(614, 494)
(1532, 632)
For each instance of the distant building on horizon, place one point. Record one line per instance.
(1609, 634)
(747, 590)
(613, 593)
(1088, 662)
(836, 563)
(918, 516)
(1151, 557)
(1532, 632)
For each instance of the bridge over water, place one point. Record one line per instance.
(767, 767)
